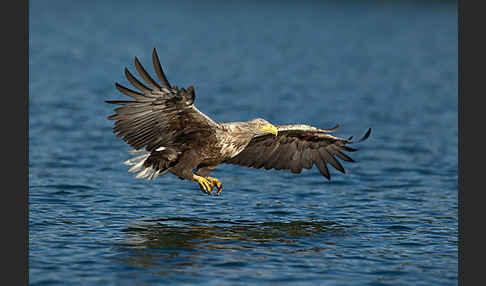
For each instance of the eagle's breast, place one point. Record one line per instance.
(231, 141)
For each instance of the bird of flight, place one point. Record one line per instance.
(170, 135)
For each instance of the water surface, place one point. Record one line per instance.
(390, 220)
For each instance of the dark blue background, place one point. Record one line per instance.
(388, 65)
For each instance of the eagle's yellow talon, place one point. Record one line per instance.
(205, 185)
(219, 191)
(216, 183)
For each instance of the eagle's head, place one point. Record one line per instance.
(260, 127)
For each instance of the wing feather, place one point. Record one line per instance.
(136, 83)
(146, 77)
(329, 158)
(158, 69)
(262, 159)
(336, 152)
(272, 160)
(321, 165)
(295, 155)
(306, 159)
(128, 92)
(159, 116)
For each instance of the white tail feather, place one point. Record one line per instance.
(137, 151)
(137, 163)
(144, 173)
(153, 175)
(137, 167)
(135, 160)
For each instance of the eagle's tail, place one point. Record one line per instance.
(150, 165)
(138, 162)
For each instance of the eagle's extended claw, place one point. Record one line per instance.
(205, 185)
(208, 183)
(216, 183)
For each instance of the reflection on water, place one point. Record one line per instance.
(390, 220)
(181, 242)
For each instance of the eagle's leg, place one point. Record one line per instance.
(216, 183)
(205, 185)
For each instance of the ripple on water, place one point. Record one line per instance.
(391, 219)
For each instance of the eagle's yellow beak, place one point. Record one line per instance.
(269, 128)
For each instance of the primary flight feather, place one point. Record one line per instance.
(170, 135)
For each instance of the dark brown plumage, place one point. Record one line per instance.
(169, 134)
(294, 150)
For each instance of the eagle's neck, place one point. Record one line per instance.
(233, 138)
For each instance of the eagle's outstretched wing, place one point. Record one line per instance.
(296, 147)
(158, 115)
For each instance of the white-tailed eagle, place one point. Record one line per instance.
(170, 135)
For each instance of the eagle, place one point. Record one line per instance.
(170, 135)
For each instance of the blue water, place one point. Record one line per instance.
(390, 220)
